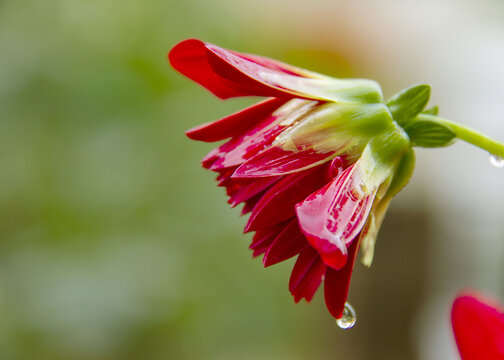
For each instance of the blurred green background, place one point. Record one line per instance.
(115, 244)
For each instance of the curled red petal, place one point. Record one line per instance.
(306, 275)
(235, 124)
(478, 328)
(244, 75)
(275, 161)
(332, 217)
(289, 242)
(277, 203)
(337, 284)
(229, 74)
(189, 57)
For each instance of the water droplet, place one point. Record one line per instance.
(496, 160)
(348, 319)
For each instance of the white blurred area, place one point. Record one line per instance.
(458, 48)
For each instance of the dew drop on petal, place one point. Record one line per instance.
(496, 160)
(347, 321)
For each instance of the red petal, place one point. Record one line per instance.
(229, 74)
(478, 328)
(239, 149)
(306, 275)
(275, 161)
(337, 283)
(264, 238)
(224, 174)
(266, 77)
(287, 244)
(235, 124)
(243, 191)
(262, 247)
(332, 217)
(271, 64)
(277, 203)
(251, 203)
(249, 143)
(210, 158)
(246, 76)
(190, 58)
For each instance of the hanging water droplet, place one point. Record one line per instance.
(348, 319)
(496, 160)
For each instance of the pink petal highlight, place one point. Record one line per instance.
(337, 284)
(332, 217)
(287, 244)
(306, 275)
(478, 328)
(275, 161)
(235, 124)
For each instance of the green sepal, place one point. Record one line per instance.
(432, 111)
(344, 128)
(402, 174)
(379, 159)
(426, 131)
(400, 178)
(408, 103)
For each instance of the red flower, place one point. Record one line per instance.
(315, 164)
(478, 327)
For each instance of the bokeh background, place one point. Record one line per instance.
(115, 244)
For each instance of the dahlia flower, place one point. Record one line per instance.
(316, 163)
(478, 327)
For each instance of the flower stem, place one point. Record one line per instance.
(475, 138)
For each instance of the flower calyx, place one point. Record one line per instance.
(423, 127)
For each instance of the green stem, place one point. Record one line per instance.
(475, 138)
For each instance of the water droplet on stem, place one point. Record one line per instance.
(496, 160)
(348, 319)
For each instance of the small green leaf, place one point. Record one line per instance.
(432, 111)
(426, 131)
(408, 103)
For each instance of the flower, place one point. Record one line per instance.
(478, 326)
(316, 163)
